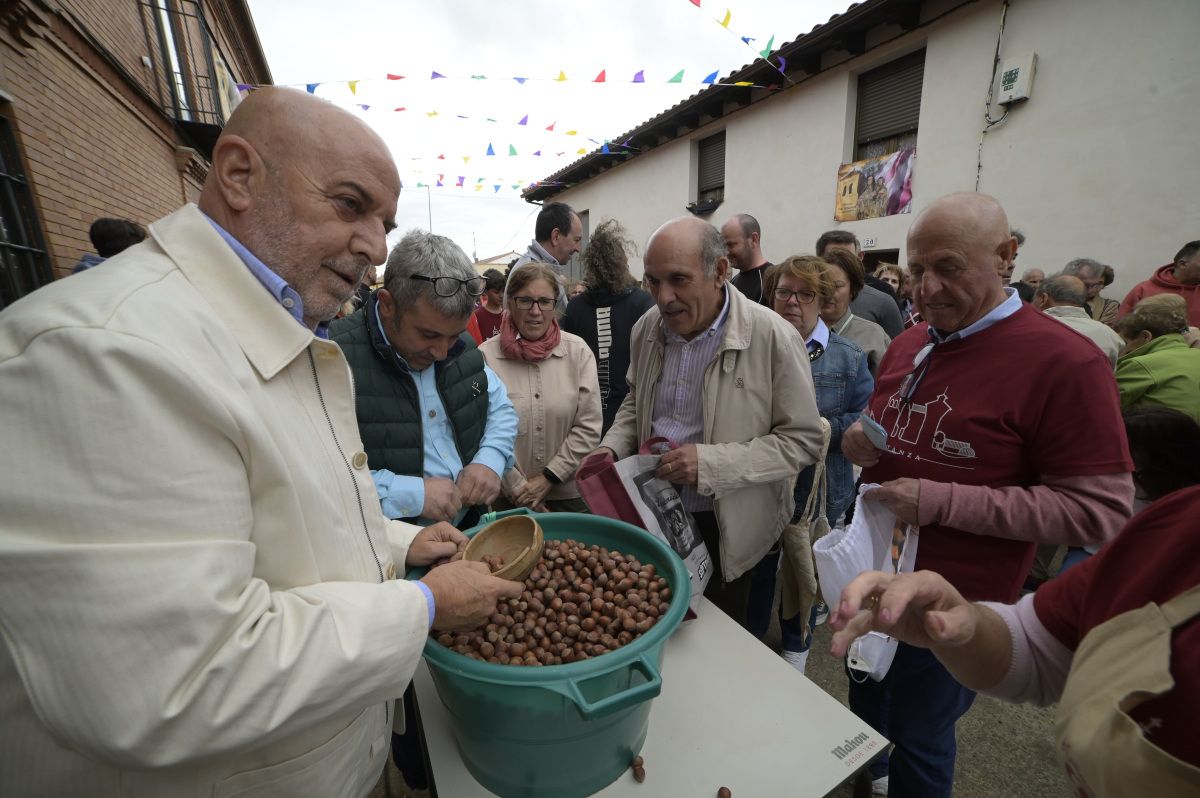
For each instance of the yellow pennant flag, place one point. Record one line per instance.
(581, 151)
(466, 158)
(353, 84)
(572, 133)
(477, 186)
(725, 22)
(561, 76)
(431, 114)
(743, 83)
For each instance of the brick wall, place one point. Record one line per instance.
(93, 139)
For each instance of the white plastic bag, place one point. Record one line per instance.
(869, 543)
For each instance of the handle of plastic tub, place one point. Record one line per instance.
(619, 700)
(496, 515)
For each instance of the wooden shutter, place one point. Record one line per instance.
(889, 98)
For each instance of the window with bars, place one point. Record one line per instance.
(710, 168)
(24, 264)
(889, 106)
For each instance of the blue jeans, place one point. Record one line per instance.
(915, 706)
(762, 599)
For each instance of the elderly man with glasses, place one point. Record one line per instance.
(982, 405)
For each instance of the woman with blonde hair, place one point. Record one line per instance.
(551, 380)
(1156, 366)
(796, 289)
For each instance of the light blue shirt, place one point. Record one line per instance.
(403, 496)
(1009, 306)
(819, 335)
(276, 286)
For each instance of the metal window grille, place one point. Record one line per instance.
(711, 167)
(889, 102)
(24, 264)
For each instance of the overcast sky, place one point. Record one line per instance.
(316, 41)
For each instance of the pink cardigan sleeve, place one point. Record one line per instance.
(1077, 511)
(1040, 663)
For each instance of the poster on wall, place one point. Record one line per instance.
(875, 187)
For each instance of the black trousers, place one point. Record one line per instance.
(730, 597)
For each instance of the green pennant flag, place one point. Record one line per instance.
(512, 150)
(766, 51)
(678, 77)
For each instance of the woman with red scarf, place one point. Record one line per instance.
(552, 382)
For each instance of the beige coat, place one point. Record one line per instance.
(558, 411)
(761, 424)
(196, 582)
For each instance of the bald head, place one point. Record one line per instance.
(957, 249)
(309, 189)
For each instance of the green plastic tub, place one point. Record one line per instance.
(561, 731)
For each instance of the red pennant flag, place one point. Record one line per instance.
(401, 108)
(441, 157)
(551, 127)
(696, 3)
(600, 77)
(390, 76)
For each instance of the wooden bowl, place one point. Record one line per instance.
(517, 539)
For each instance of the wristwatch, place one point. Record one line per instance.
(551, 477)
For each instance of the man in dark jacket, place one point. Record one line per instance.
(877, 301)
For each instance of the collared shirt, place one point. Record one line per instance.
(403, 496)
(1009, 306)
(679, 404)
(276, 286)
(818, 337)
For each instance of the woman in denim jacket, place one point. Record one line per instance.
(796, 289)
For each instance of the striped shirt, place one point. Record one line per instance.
(679, 405)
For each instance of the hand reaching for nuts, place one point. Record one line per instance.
(465, 594)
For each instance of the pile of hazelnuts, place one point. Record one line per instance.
(579, 602)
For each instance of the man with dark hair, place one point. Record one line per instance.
(557, 235)
(1064, 297)
(877, 301)
(743, 236)
(109, 237)
(1181, 276)
(487, 315)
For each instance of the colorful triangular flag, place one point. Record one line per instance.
(390, 76)
(551, 126)
(401, 108)
(512, 150)
(561, 76)
(521, 80)
(599, 78)
(353, 84)
(696, 3)
(436, 75)
(725, 22)
(497, 188)
(678, 77)
(782, 63)
(524, 120)
(490, 150)
(466, 158)
(640, 76)
(711, 78)
(461, 178)
(244, 87)
(364, 107)
(312, 87)
(604, 149)
(442, 157)
(479, 77)
(766, 51)
(538, 153)
(581, 151)
(477, 187)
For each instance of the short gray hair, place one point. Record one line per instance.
(712, 249)
(1093, 266)
(1063, 290)
(424, 253)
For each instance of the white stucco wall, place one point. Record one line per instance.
(1101, 162)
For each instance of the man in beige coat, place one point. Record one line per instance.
(198, 593)
(728, 380)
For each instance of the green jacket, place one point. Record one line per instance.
(1164, 372)
(386, 400)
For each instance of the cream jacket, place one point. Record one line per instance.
(197, 592)
(558, 411)
(761, 424)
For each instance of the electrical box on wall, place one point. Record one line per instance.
(1016, 78)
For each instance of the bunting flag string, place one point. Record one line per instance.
(764, 54)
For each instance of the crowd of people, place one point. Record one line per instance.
(227, 471)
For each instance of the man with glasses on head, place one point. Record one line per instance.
(982, 405)
(436, 423)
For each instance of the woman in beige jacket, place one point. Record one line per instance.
(552, 382)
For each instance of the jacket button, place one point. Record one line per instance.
(359, 460)
(391, 570)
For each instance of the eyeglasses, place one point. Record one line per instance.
(783, 295)
(449, 286)
(526, 302)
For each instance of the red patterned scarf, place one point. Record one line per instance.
(518, 348)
